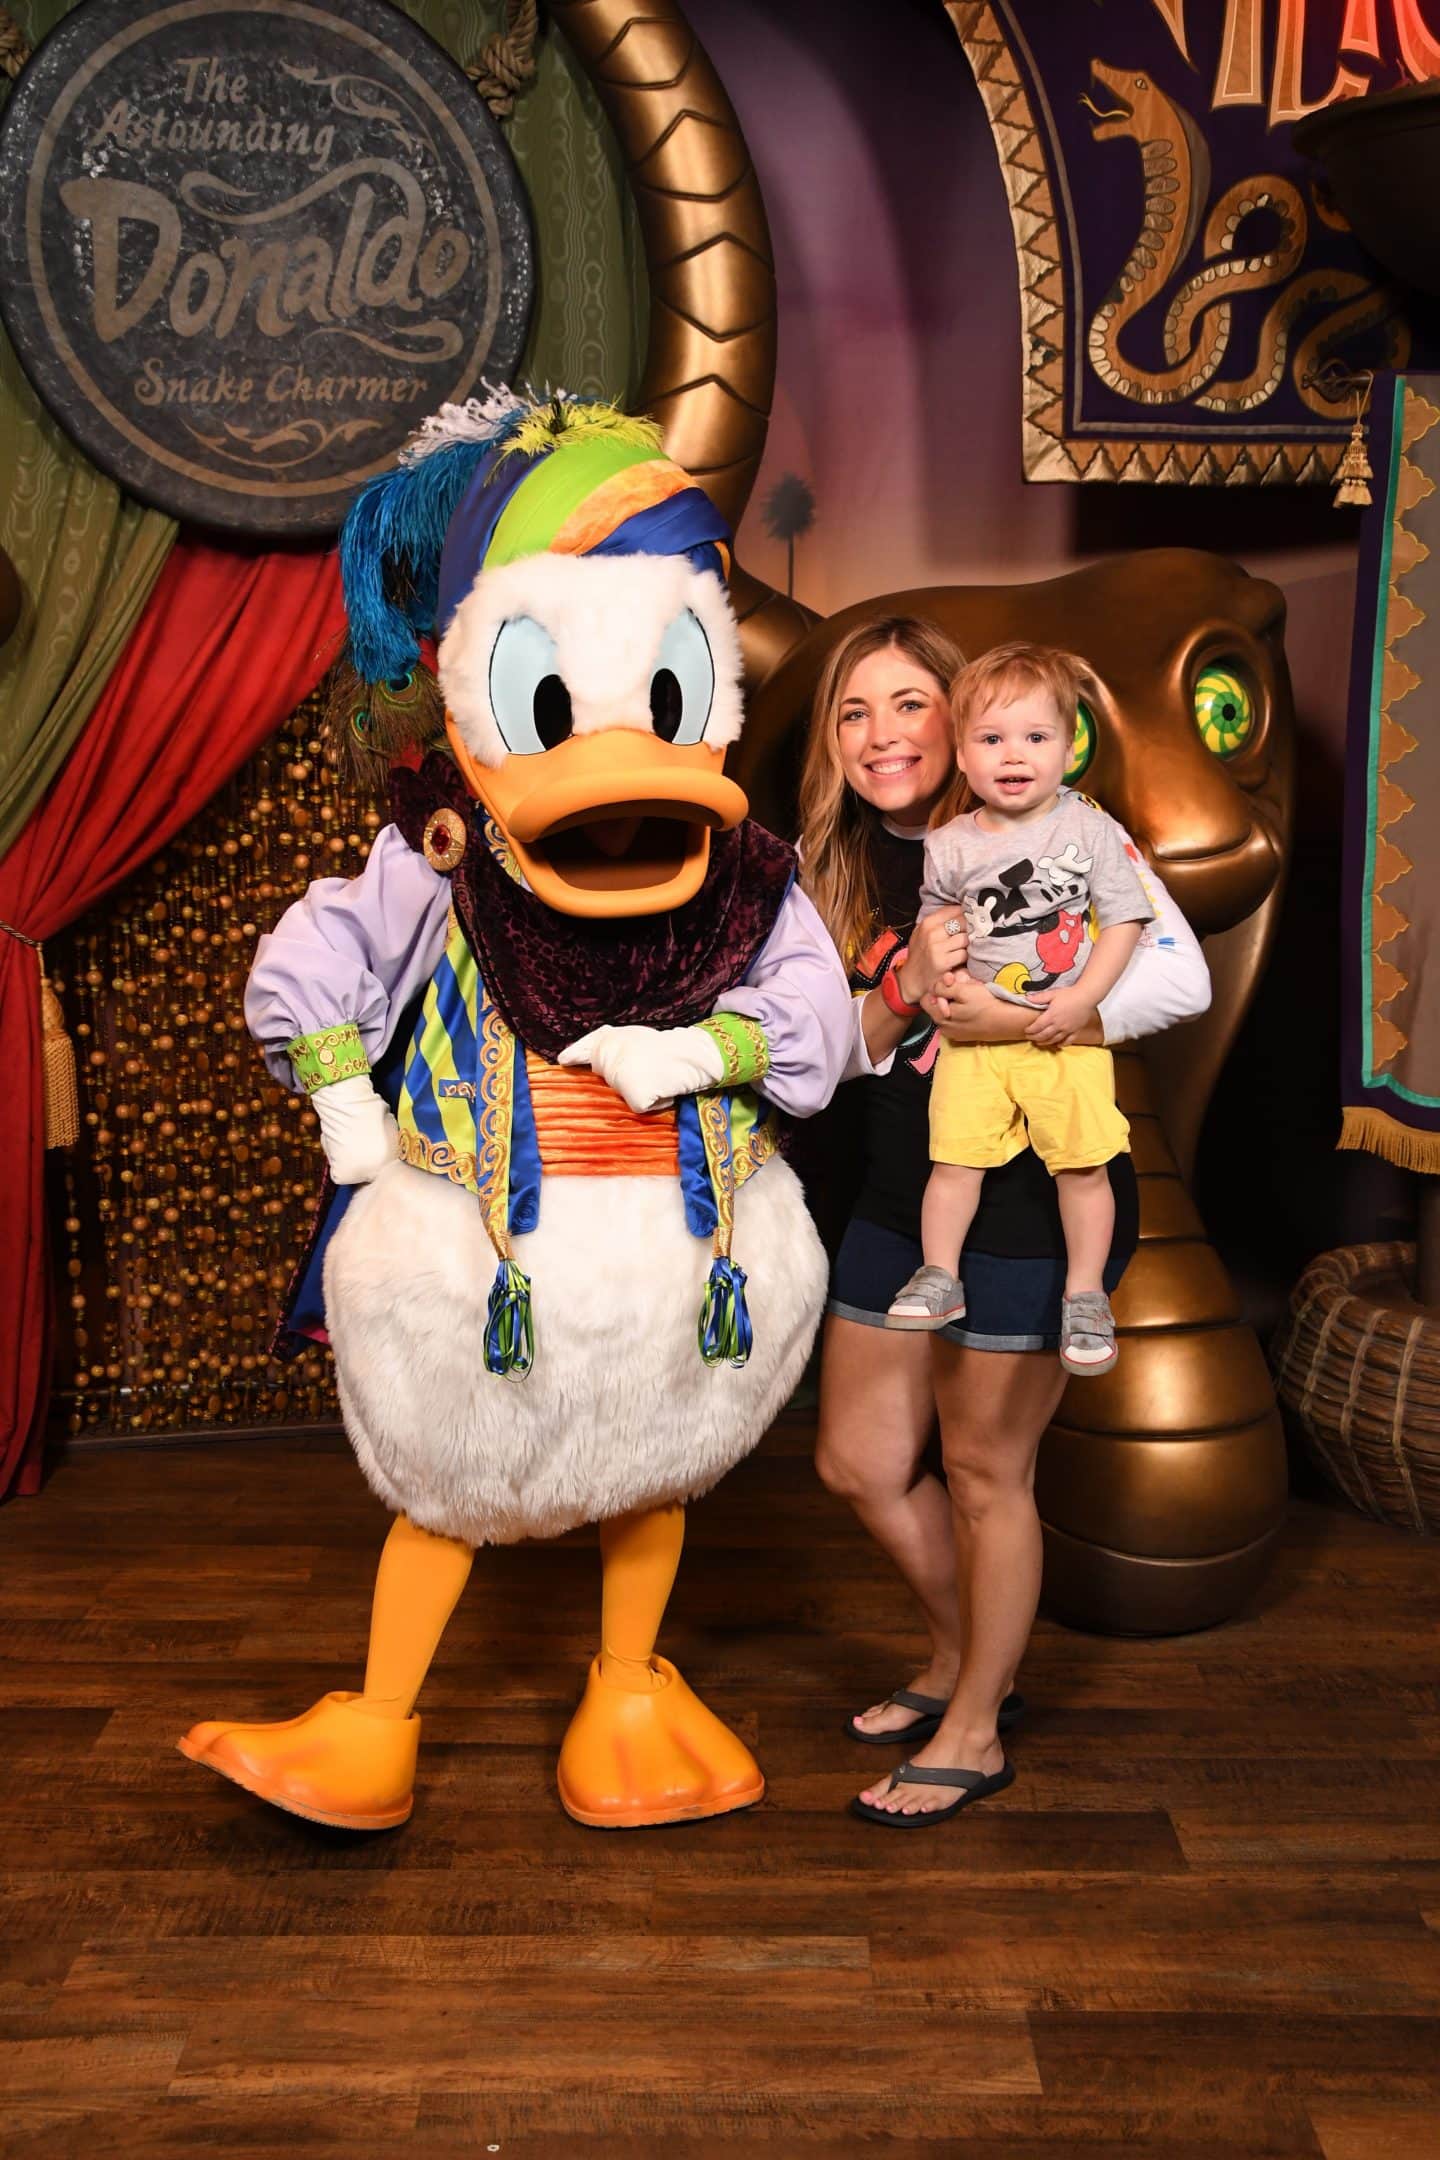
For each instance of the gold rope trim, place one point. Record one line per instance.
(506, 61)
(1393, 1142)
(14, 46)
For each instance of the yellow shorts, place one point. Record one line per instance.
(988, 1099)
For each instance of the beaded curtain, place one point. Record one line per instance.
(187, 1203)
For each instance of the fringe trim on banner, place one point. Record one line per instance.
(1392, 1141)
(57, 1054)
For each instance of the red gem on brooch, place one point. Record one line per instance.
(443, 840)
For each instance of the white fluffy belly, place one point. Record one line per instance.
(618, 1411)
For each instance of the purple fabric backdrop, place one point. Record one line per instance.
(1180, 282)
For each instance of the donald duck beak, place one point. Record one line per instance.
(609, 824)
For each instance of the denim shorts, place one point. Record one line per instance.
(1010, 1303)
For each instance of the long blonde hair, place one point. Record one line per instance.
(837, 828)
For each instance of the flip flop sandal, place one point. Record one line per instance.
(973, 1783)
(924, 1727)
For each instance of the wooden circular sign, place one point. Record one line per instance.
(247, 248)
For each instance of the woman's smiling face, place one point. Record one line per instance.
(895, 737)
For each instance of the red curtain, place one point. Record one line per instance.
(227, 647)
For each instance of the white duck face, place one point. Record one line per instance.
(590, 700)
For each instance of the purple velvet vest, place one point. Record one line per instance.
(554, 977)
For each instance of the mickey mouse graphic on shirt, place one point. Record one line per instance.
(1037, 901)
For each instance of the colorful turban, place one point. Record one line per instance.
(485, 484)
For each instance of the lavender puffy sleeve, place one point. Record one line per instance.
(352, 949)
(795, 990)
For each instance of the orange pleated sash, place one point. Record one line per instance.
(584, 1129)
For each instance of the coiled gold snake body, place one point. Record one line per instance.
(1199, 322)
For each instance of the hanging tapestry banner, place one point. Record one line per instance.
(1390, 1079)
(1183, 279)
(250, 244)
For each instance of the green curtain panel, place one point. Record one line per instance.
(591, 321)
(87, 557)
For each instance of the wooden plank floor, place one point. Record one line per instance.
(1204, 1923)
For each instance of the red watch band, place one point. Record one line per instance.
(890, 988)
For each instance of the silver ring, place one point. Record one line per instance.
(953, 928)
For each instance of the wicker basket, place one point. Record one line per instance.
(1358, 1366)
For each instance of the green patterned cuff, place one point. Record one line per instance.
(330, 1054)
(742, 1045)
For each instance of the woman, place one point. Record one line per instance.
(879, 770)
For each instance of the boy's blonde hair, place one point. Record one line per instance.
(1006, 672)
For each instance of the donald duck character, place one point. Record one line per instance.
(566, 1275)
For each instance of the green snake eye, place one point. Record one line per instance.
(1224, 710)
(1083, 747)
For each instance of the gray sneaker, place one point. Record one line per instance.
(931, 1299)
(1087, 1333)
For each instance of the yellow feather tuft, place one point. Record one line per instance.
(574, 420)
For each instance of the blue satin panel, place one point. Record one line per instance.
(696, 1191)
(524, 1153)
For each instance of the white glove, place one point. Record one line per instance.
(359, 1134)
(649, 1066)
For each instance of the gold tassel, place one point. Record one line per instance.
(62, 1100)
(1355, 474)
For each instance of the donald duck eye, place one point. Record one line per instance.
(528, 695)
(682, 687)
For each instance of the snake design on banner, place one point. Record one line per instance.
(1199, 322)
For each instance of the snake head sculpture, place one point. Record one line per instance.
(1189, 744)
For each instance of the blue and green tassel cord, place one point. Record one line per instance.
(726, 1336)
(509, 1324)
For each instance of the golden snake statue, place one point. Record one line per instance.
(1199, 322)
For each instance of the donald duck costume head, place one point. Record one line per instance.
(565, 1274)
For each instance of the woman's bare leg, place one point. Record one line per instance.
(994, 1407)
(877, 1406)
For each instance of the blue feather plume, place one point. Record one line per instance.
(390, 546)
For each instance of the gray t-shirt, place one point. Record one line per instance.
(1025, 893)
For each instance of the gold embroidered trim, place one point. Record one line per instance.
(444, 1161)
(328, 1054)
(742, 1044)
(729, 1166)
(720, 1161)
(763, 1142)
(494, 1125)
